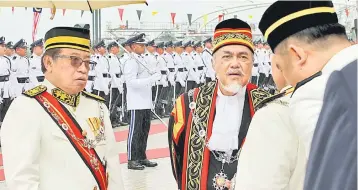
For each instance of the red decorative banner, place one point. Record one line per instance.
(37, 14)
(221, 17)
(121, 13)
(12, 10)
(63, 12)
(173, 17)
(347, 12)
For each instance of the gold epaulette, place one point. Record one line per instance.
(93, 96)
(258, 95)
(35, 91)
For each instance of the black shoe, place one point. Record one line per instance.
(121, 123)
(148, 163)
(135, 165)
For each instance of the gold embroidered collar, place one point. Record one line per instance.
(60, 95)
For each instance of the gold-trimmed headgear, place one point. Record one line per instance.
(68, 37)
(232, 32)
(285, 18)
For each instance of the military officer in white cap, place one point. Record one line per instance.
(5, 85)
(163, 84)
(9, 51)
(35, 60)
(192, 76)
(196, 53)
(151, 61)
(180, 75)
(139, 81)
(207, 56)
(21, 79)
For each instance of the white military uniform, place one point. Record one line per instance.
(35, 68)
(180, 75)
(273, 157)
(255, 67)
(5, 72)
(171, 67)
(103, 77)
(91, 75)
(199, 66)
(162, 67)
(207, 56)
(21, 78)
(43, 157)
(191, 68)
(139, 84)
(116, 72)
(152, 63)
(307, 100)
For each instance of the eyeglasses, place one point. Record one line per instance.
(75, 61)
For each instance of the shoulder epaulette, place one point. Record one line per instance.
(35, 91)
(258, 95)
(93, 96)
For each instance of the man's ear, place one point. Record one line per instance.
(47, 60)
(297, 54)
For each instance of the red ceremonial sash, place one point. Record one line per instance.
(72, 130)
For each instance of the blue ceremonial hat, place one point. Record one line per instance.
(20, 44)
(112, 44)
(100, 44)
(198, 44)
(160, 45)
(151, 43)
(178, 44)
(37, 43)
(188, 44)
(169, 44)
(10, 45)
(139, 39)
(2, 40)
(208, 40)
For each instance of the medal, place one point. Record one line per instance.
(219, 181)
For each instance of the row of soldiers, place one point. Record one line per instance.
(17, 71)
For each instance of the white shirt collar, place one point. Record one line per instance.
(285, 88)
(341, 59)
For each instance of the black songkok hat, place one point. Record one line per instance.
(232, 32)
(68, 37)
(285, 18)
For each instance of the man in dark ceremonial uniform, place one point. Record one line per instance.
(208, 124)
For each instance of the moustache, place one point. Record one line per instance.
(235, 72)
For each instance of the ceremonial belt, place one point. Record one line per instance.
(180, 69)
(73, 132)
(118, 75)
(201, 68)
(4, 78)
(23, 79)
(171, 69)
(106, 75)
(185, 69)
(40, 78)
(91, 78)
(163, 72)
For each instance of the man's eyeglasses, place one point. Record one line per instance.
(75, 61)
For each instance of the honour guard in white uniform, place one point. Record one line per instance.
(255, 68)
(260, 55)
(116, 94)
(168, 56)
(198, 49)
(207, 56)
(151, 61)
(35, 61)
(163, 83)
(192, 77)
(101, 85)
(6, 92)
(64, 139)
(21, 67)
(179, 65)
(9, 52)
(139, 81)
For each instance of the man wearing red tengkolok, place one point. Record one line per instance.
(208, 125)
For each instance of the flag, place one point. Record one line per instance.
(37, 14)
(121, 13)
(189, 18)
(12, 10)
(154, 13)
(63, 12)
(139, 13)
(221, 17)
(53, 13)
(205, 18)
(82, 13)
(173, 17)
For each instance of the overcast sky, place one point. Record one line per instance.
(19, 24)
